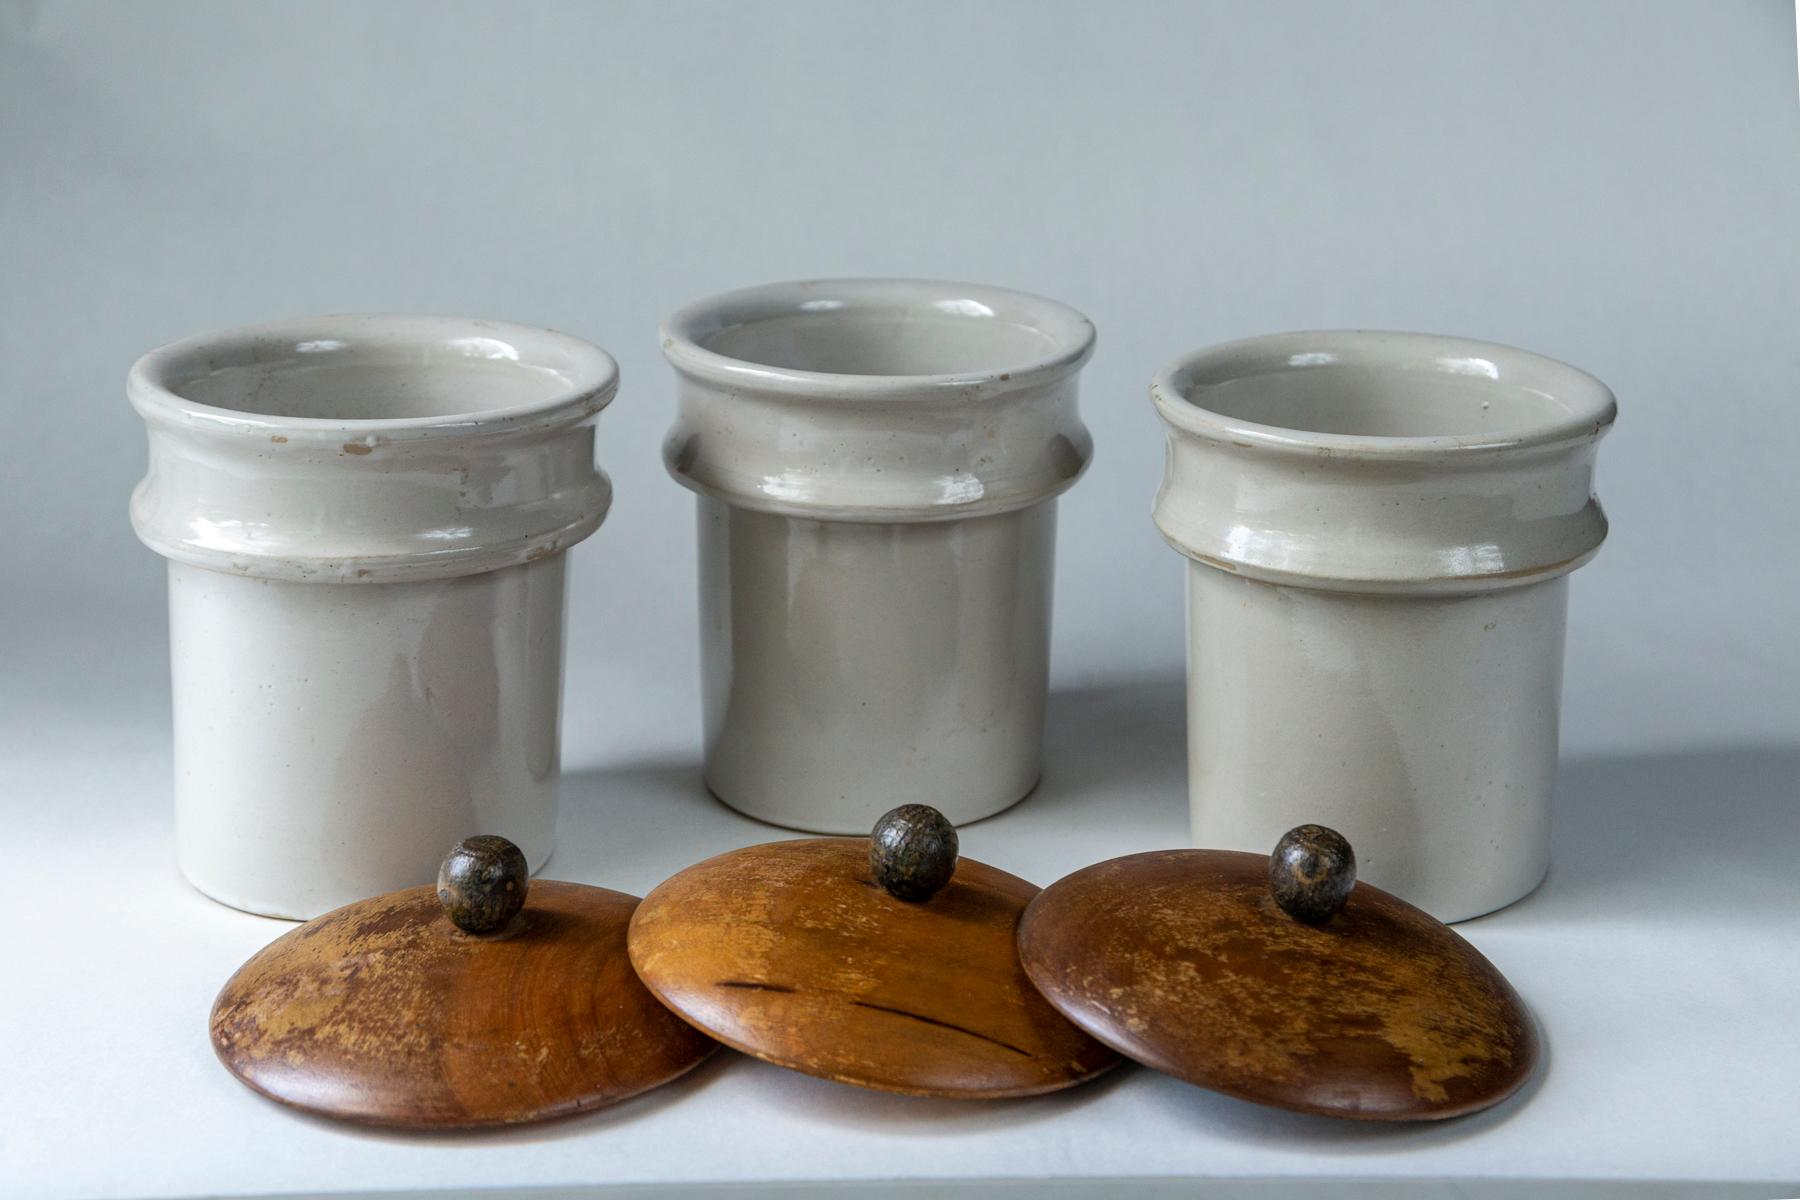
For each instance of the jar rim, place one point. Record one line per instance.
(1067, 334)
(1587, 405)
(586, 377)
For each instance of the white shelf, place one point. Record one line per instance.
(1660, 958)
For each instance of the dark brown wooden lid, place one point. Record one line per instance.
(1182, 960)
(793, 953)
(385, 1013)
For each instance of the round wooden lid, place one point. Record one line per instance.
(1183, 960)
(793, 953)
(385, 1012)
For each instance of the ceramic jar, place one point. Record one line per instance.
(1380, 528)
(877, 463)
(366, 520)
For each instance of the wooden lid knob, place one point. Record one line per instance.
(912, 851)
(1311, 873)
(482, 883)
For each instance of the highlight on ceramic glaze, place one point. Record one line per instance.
(365, 519)
(876, 463)
(1380, 529)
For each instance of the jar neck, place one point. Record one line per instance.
(368, 510)
(937, 456)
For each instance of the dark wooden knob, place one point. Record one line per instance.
(912, 852)
(1311, 873)
(482, 883)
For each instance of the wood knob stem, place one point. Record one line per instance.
(1311, 873)
(482, 883)
(912, 851)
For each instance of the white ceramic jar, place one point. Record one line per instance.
(365, 519)
(1380, 528)
(877, 463)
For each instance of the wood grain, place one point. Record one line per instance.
(1181, 960)
(792, 953)
(385, 1013)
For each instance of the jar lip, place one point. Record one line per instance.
(1588, 404)
(587, 376)
(1069, 336)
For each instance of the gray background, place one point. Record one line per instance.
(1615, 184)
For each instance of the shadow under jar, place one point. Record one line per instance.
(1380, 527)
(365, 519)
(877, 463)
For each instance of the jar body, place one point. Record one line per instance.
(877, 464)
(332, 741)
(1380, 529)
(366, 520)
(1422, 728)
(849, 667)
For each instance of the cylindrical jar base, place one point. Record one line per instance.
(333, 741)
(854, 666)
(1423, 728)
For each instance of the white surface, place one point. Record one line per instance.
(1615, 184)
(1659, 958)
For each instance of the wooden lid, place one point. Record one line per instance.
(385, 1012)
(792, 952)
(1183, 960)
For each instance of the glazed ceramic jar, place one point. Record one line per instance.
(877, 463)
(1380, 528)
(366, 520)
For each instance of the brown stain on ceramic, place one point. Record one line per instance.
(791, 952)
(1182, 960)
(385, 1013)
(277, 438)
(357, 448)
